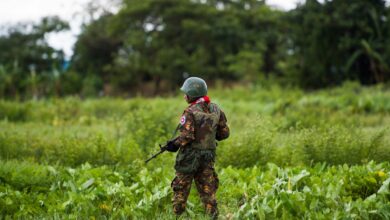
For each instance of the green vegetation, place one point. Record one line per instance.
(149, 47)
(135, 192)
(290, 155)
(293, 153)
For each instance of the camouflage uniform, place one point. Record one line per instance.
(201, 125)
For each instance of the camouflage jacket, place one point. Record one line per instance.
(202, 124)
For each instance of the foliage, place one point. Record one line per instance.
(164, 41)
(291, 155)
(337, 41)
(285, 127)
(28, 64)
(29, 190)
(149, 47)
(95, 49)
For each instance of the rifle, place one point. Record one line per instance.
(163, 148)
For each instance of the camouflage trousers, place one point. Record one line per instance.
(206, 181)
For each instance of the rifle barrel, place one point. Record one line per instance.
(154, 156)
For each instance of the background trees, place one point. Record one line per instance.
(28, 65)
(165, 41)
(341, 40)
(153, 45)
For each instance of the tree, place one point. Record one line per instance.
(341, 40)
(171, 39)
(95, 48)
(25, 55)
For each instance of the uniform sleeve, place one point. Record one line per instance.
(223, 131)
(187, 130)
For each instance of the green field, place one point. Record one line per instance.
(292, 154)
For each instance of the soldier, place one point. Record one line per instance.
(201, 125)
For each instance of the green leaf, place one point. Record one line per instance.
(88, 183)
(385, 187)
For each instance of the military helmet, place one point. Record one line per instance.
(194, 87)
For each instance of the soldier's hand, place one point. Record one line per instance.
(171, 147)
